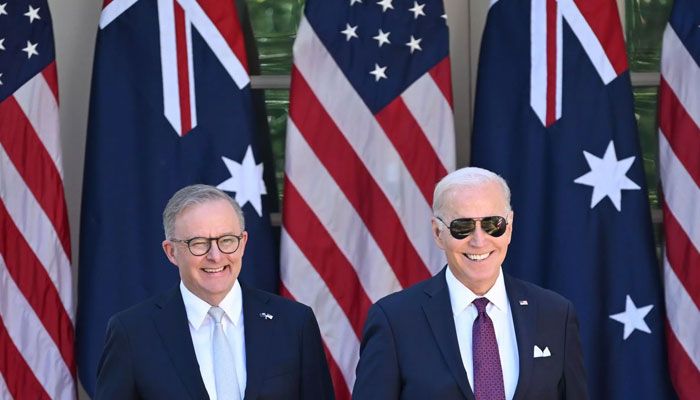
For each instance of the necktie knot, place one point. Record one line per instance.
(217, 313)
(481, 304)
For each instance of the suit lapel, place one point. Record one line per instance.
(438, 311)
(171, 323)
(525, 322)
(257, 337)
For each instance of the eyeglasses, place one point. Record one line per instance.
(460, 228)
(200, 246)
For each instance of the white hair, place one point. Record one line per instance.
(467, 177)
(194, 195)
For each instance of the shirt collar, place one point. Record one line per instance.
(197, 309)
(462, 297)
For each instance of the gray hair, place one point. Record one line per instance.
(192, 195)
(467, 177)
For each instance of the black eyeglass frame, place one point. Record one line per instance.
(460, 236)
(208, 241)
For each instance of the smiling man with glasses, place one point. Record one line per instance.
(212, 336)
(471, 331)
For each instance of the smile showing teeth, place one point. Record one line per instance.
(477, 257)
(209, 270)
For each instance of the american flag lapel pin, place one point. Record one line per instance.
(266, 316)
(523, 302)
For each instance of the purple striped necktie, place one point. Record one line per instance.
(488, 376)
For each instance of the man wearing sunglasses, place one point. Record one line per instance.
(471, 331)
(211, 336)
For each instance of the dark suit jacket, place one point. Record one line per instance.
(149, 353)
(409, 346)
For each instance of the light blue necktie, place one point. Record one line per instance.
(225, 376)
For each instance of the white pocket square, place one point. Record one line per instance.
(542, 353)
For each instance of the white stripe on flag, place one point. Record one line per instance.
(39, 105)
(168, 64)
(190, 71)
(436, 119)
(560, 64)
(538, 60)
(360, 128)
(114, 10)
(338, 216)
(306, 286)
(682, 74)
(216, 42)
(37, 349)
(37, 230)
(681, 194)
(589, 41)
(4, 391)
(683, 315)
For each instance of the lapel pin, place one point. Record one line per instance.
(523, 302)
(264, 315)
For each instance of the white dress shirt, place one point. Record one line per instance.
(498, 309)
(202, 331)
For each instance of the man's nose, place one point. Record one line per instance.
(214, 253)
(477, 237)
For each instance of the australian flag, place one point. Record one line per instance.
(171, 106)
(554, 116)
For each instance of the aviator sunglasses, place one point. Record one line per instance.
(460, 228)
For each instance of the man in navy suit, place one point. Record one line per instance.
(471, 331)
(211, 336)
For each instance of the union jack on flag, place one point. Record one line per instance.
(370, 132)
(36, 297)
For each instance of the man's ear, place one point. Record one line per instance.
(169, 249)
(435, 228)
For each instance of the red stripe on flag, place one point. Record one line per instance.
(680, 130)
(353, 178)
(19, 378)
(340, 387)
(183, 74)
(225, 16)
(684, 373)
(106, 3)
(682, 255)
(604, 20)
(551, 62)
(415, 150)
(442, 76)
(322, 252)
(35, 284)
(35, 165)
(51, 77)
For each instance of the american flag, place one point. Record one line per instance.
(679, 156)
(554, 116)
(370, 132)
(36, 297)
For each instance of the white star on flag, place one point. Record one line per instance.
(2, 9)
(349, 32)
(378, 72)
(246, 181)
(382, 37)
(0, 79)
(417, 10)
(414, 44)
(633, 318)
(607, 176)
(352, 2)
(2, 44)
(385, 4)
(33, 14)
(30, 49)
